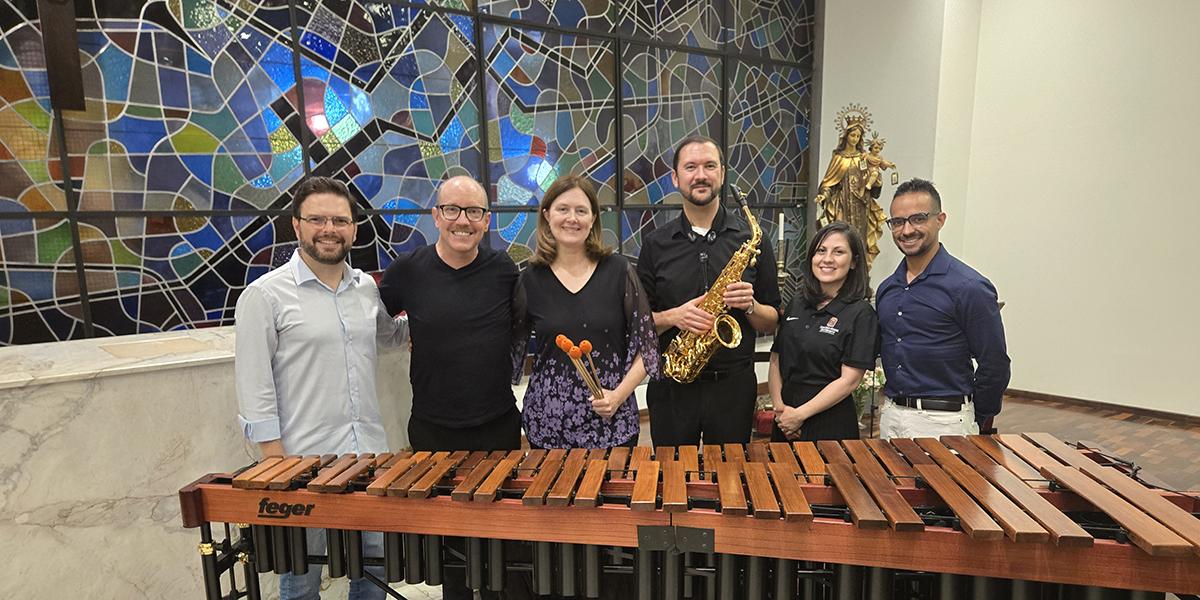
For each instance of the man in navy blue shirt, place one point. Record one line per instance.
(936, 316)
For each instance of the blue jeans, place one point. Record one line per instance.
(308, 586)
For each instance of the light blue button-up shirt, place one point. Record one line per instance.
(305, 360)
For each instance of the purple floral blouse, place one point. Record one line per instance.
(611, 312)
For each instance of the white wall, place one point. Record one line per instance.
(1057, 133)
(1082, 204)
(886, 56)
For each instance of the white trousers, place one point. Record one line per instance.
(906, 422)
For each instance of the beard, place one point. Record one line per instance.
(326, 257)
(714, 193)
(924, 245)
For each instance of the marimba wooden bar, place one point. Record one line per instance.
(848, 519)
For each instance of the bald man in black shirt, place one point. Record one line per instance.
(458, 296)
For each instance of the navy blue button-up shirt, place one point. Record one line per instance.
(934, 326)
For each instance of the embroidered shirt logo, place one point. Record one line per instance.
(830, 327)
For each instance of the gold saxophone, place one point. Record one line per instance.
(689, 352)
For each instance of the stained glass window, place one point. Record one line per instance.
(172, 191)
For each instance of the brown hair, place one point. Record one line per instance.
(321, 185)
(857, 285)
(547, 247)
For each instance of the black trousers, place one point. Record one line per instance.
(719, 412)
(501, 433)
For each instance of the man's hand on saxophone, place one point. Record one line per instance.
(740, 295)
(687, 317)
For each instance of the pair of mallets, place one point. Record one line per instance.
(588, 372)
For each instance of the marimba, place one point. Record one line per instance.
(976, 516)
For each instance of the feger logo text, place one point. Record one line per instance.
(276, 510)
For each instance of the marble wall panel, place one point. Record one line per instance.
(90, 469)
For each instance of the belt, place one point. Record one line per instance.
(948, 403)
(715, 376)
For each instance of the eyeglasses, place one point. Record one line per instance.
(338, 222)
(916, 219)
(450, 212)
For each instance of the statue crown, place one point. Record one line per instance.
(853, 115)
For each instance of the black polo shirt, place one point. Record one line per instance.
(813, 343)
(677, 264)
(462, 332)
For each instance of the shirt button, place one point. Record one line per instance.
(906, 288)
(897, 340)
(900, 314)
(898, 367)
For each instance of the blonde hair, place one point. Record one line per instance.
(547, 247)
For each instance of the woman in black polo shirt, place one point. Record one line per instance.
(827, 340)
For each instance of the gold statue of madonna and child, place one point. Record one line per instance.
(854, 179)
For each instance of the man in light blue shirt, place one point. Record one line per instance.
(305, 355)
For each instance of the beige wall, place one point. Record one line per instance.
(887, 56)
(1058, 134)
(1082, 204)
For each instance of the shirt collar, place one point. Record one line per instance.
(835, 306)
(721, 221)
(303, 274)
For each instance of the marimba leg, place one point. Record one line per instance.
(689, 561)
(809, 585)
(848, 582)
(644, 573)
(208, 563)
(710, 583)
(249, 566)
(672, 576)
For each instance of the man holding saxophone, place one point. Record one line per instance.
(678, 265)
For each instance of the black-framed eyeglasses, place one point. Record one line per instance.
(450, 212)
(916, 219)
(338, 222)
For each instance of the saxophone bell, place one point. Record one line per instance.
(727, 331)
